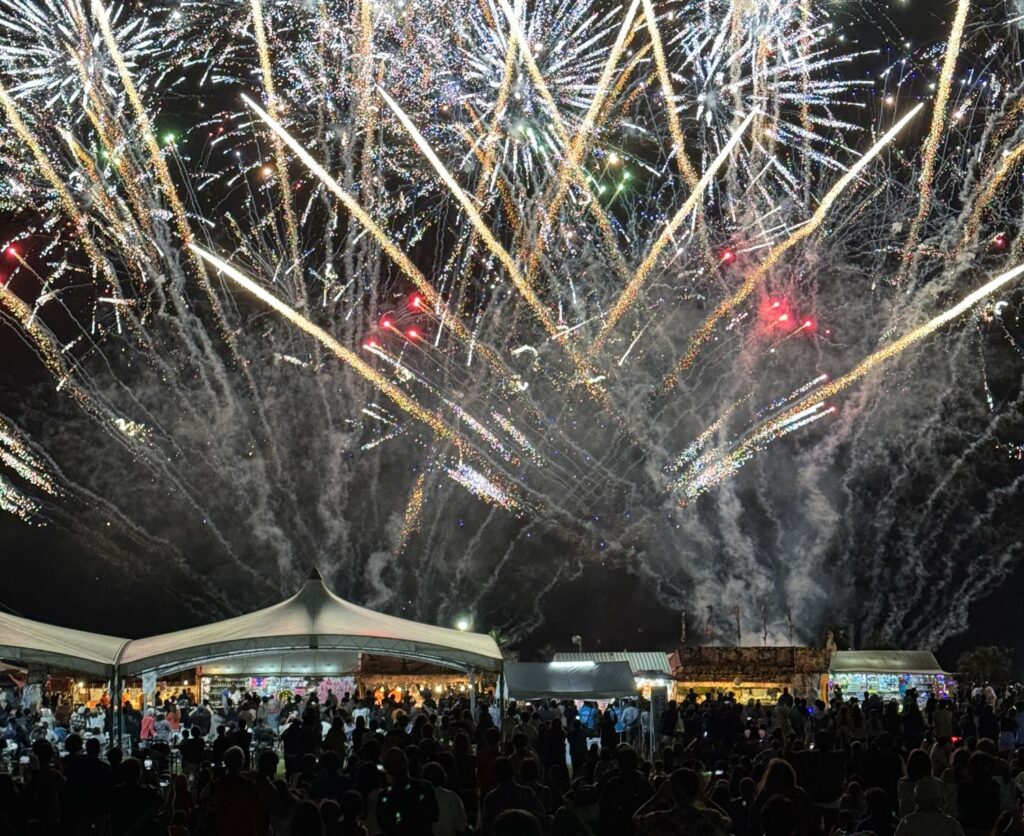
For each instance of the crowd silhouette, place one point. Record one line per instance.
(710, 766)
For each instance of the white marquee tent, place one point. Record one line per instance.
(313, 620)
(33, 644)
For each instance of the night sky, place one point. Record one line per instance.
(52, 572)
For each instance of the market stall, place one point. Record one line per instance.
(888, 673)
(749, 673)
(524, 681)
(650, 668)
(296, 672)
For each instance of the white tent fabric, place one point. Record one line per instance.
(312, 619)
(884, 661)
(26, 643)
(568, 680)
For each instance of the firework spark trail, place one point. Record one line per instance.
(577, 149)
(805, 108)
(758, 275)
(630, 293)
(931, 146)
(413, 514)
(370, 374)
(397, 255)
(149, 138)
(486, 151)
(280, 163)
(17, 454)
(479, 485)
(801, 412)
(593, 204)
(525, 290)
(59, 186)
(692, 452)
(467, 476)
(907, 340)
(1006, 165)
(712, 469)
(676, 130)
(364, 94)
(170, 194)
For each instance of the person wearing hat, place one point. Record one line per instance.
(927, 819)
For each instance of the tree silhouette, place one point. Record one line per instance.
(990, 663)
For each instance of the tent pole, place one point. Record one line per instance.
(500, 696)
(472, 692)
(117, 726)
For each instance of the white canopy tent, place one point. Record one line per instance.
(312, 626)
(312, 619)
(568, 680)
(32, 643)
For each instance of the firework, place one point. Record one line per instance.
(458, 247)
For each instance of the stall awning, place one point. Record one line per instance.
(32, 643)
(884, 661)
(569, 680)
(651, 664)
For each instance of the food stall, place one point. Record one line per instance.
(750, 673)
(380, 676)
(296, 672)
(888, 673)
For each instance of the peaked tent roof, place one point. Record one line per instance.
(314, 618)
(27, 642)
(569, 680)
(884, 661)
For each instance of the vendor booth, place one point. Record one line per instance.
(650, 668)
(749, 673)
(887, 673)
(582, 682)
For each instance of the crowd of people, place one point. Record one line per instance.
(298, 766)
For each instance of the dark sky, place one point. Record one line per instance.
(46, 576)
